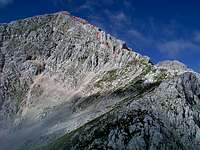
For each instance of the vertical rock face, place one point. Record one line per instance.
(65, 84)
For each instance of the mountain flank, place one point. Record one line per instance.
(66, 84)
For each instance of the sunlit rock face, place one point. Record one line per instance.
(66, 84)
(174, 67)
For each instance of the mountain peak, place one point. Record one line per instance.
(173, 66)
(66, 84)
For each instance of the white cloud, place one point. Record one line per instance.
(138, 35)
(117, 19)
(85, 6)
(120, 16)
(88, 6)
(173, 48)
(5, 2)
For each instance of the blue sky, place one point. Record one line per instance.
(161, 29)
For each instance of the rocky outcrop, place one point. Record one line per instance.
(65, 84)
(163, 117)
(174, 67)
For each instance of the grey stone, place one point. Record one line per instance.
(66, 84)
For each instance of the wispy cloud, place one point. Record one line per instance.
(136, 34)
(5, 2)
(120, 16)
(173, 48)
(165, 38)
(117, 19)
(87, 6)
(176, 40)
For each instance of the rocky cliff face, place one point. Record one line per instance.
(65, 84)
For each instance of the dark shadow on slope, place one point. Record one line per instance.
(117, 130)
(128, 93)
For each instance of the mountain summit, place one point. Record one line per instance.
(66, 84)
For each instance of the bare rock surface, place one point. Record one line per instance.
(174, 67)
(66, 84)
